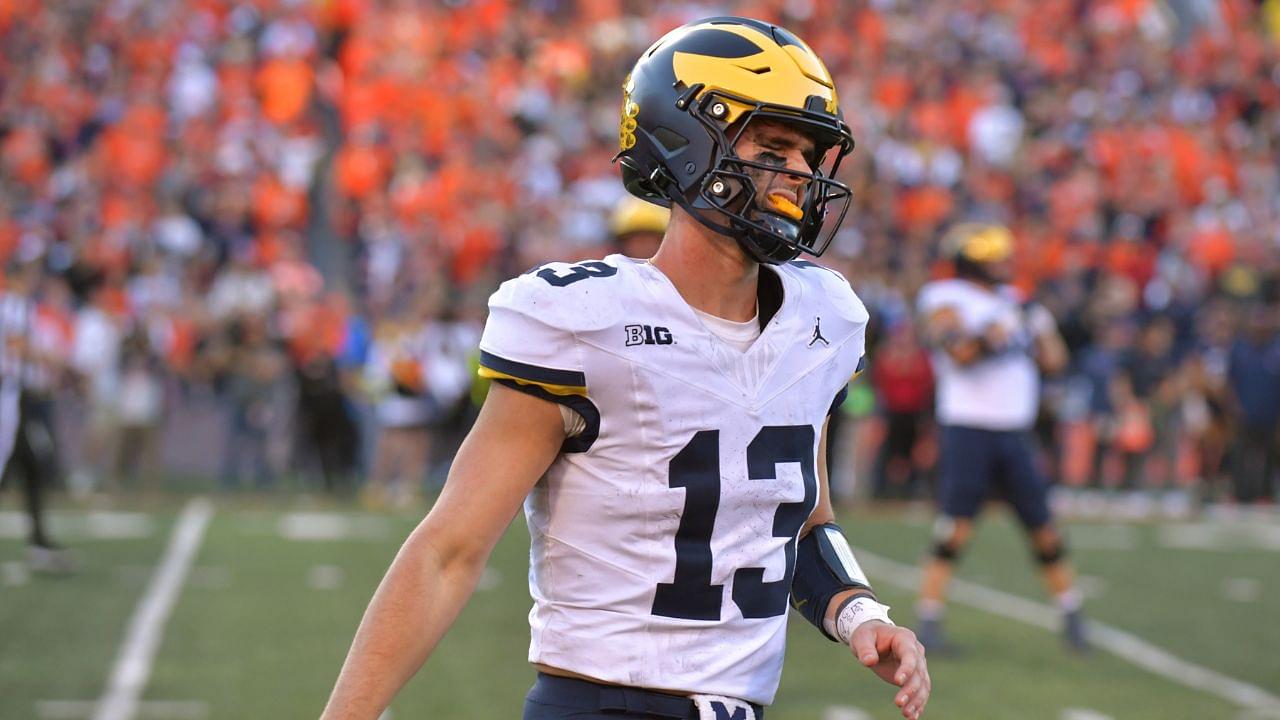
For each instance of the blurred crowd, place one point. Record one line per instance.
(289, 213)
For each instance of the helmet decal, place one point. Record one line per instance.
(976, 248)
(780, 75)
(627, 125)
(978, 242)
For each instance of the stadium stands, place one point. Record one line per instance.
(234, 202)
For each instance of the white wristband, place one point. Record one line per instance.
(856, 612)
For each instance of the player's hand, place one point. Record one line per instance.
(894, 654)
(996, 337)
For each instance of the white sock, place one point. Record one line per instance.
(1070, 601)
(929, 609)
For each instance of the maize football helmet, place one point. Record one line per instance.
(977, 248)
(688, 100)
(634, 215)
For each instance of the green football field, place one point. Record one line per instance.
(261, 621)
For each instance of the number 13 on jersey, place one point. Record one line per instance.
(696, 468)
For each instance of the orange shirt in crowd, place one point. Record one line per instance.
(961, 105)
(872, 36)
(126, 206)
(932, 121)
(276, 205)
(10, 235)
(1131, 258)
(893, 92)
(315, 329)
(924, 207)
(361, 169)
(284, 84)
(25, 156)
(11, 10)
(134, 147)
(184, 335)
(475, 253)
(1213, 249)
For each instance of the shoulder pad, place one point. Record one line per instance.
(1013, 294)
(941, 293)
(829, 287)
(571, 296)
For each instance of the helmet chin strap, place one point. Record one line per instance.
(768, 247)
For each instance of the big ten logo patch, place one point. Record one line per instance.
(648, 335)
(627, 125)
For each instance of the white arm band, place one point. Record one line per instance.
(856, 612)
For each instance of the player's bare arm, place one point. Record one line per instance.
(440, 563)
(892, 652)
(943, 330)
(1050, 350)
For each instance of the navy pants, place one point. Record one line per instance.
(26, 448)
(975, 462)
(558, 698)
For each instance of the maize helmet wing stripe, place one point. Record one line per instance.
(781, 75)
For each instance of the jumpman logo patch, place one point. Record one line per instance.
(817, 332)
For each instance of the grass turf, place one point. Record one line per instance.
(260, 632)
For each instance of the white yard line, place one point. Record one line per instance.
(1114, 640)
(14, 573)
(133, 663)
(845, 712)
(94, 524)
(1082, 714)
(330, 527)
(1220, 536)
(325, 577)
(147, 710)
(1242, 589)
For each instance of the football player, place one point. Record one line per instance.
(663, 421)
(637, 227)
(989, 350)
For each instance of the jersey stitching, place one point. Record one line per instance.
(660, 371)
(603, 560)
(708, 336)
(832, 358)
(644, 429)
(745, 403)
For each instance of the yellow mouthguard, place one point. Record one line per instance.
(785, 206)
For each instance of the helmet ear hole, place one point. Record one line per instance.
(641, 185)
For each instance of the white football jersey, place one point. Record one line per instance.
(1001, 392)
(664, 536)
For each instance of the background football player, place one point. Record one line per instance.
(664, 421)
(989, 350)
(637, 226)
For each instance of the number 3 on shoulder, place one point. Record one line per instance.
(581, 271)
